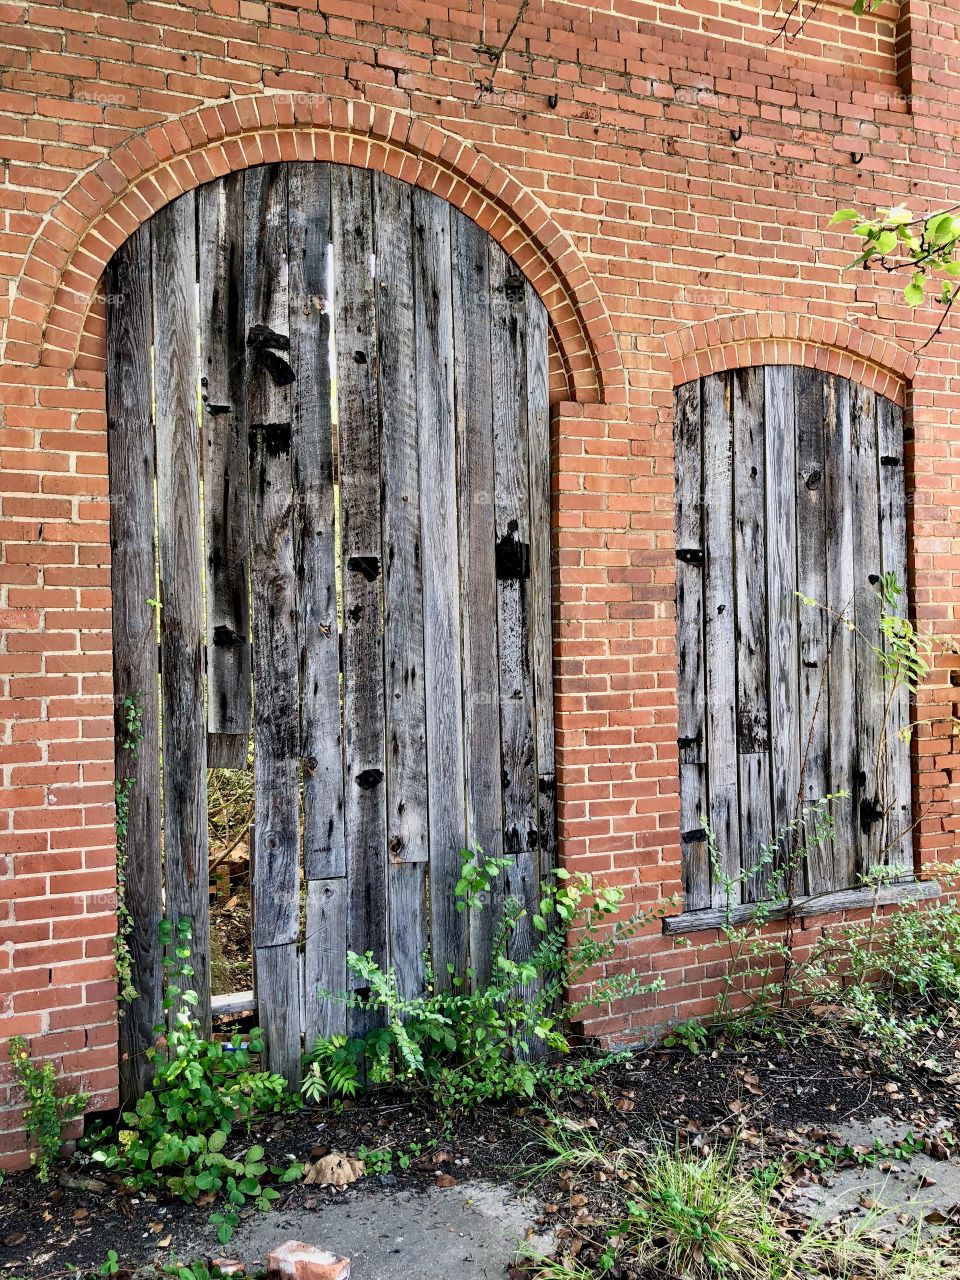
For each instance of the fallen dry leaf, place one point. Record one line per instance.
(334, 1170)
(445, 1180)
(13, 1240)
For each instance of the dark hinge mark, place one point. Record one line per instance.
(695, 836)
(690, 555)
(261, 337)
(369, 779)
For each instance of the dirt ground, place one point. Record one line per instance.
(787, 1099)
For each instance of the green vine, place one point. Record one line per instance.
(47, 1112)
(131, 736)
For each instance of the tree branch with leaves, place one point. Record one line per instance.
(923, 247)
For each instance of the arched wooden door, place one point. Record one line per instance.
(330, 484)
(791, 522)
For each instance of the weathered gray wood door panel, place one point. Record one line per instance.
(790, 486)
(377, 602)
(132, 466)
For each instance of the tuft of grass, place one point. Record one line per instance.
(696, 1215)
(700, 1217)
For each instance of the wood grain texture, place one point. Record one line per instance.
(362, 557)
(181, 591)
(441, 578)
(782, 604)
(720, 623)
(225, 471)
(541, 574)
(749, 556)
(405, 601)
(870, 698)
(276, 851)
(840, 575)
(325, 960)
(691, 655)
(813, 621)
(478, 584)
(897, 839)
(512, 507)
(819, 512)
(132, 468)
(314, 519)
(807, 908)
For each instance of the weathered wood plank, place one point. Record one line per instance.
(325, 959)
(361, 542)
(478, 585)
(512, 506)
(813, 622)
(441, 584)
(753, 712)
(691, 668)
(130, 444)
(897, 839)
(870, 694)
(782, 604)
(841, 644)
(181, 575)
(806, 908)
(276, 853)
(720, 623)
(314, 517)
(225, 471)
(541, 572)
(406, 594)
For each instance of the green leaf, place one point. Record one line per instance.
(844, 215)
(217, 1140)
(913, 293)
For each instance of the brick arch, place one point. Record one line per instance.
(731, 342)
(55, 317)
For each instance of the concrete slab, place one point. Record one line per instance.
(920, 1187)
(468, 1232)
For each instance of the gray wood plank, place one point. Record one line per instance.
(314, 516)
(813, 622)
(541, 572)
(807, 907)
(782, 604)
(841, 643)
(870, 694)
(897, 839)
(720, 624)
(325, 959)
(441, 583)
(225, 471)
(691, 668)
(406, 593)
(478, 585)
(131, 455)
(276, 850)
(753, 712)
(512, 507)
(361, 543)
(186, 860)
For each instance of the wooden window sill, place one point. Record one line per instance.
(821, 904)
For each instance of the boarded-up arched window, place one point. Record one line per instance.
(790, 489)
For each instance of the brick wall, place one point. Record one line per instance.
(608, 158)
